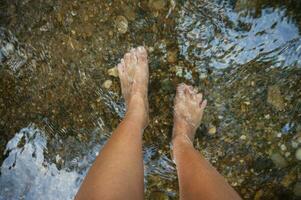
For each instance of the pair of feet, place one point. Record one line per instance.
(134, 77)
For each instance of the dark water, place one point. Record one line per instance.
(56, 112)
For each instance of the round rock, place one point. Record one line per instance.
(298, 154)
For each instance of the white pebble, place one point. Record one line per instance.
(243, 137)
(298, 154)
(295, 144)
(283, 147)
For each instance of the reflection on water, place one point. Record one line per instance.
(211, 35)
(56, 56)
(26, 175)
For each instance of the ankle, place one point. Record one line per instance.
(137, 110)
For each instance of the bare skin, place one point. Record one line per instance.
(117, 172)
(198, 179)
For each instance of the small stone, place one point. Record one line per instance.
(107, 84)
(243, 137)
(157, 4)
(275, 98)
(57, 158)
(278, 160)
(113, 72)
(212, 130)
(129, 13)
(288, 179)
(295, 144)
(299, 140)
(283, 147)
(298, 154)
(287, 154)
(297, 189)
(258, 195)
(121, 24)
(167, 85)
(172, 56)
(203, 75)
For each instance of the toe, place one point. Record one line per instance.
(120, 69)
(188, 91)
(199, 97)
(127, 59)
(141, 54)
(203, 105)
(180, 90)
(133, 57)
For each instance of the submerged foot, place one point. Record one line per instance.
(134, 74)
(188, 111)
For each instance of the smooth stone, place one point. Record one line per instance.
(243, 137)
(121, 24)
(298, 154)
(212, 130)
(157, 4)
(172, 56)
(275, 98)
(167, 85)
(283, 147)
(262, 164)
(107, 84)
(278, 160)
(295, 144)
(113, 72)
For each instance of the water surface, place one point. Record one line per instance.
(56, 113)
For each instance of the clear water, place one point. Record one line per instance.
(55, 115)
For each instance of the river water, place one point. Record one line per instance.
(60, 102)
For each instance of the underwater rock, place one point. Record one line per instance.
(297, 189)
(107, 84)
(167, 85)
(113, 72)
(278, 160)
(211, 129)
(157, 4)
(243, 137)
(275, 98)
(298, 154)
(262, 164)
(172, 56)
(121, 24)
(129, 13)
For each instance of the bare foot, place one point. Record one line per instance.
(188, 111)
(134, 74)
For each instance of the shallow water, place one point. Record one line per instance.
(56, 113)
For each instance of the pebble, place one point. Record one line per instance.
(113, 72)
(297, 189)
(287, 154)
(275, 98)
(203, 76)
(243, 137)
(298, 154)
(107, 84)
(157, 4)
(299, 140)
(278, 160)
(283, 147)
(121, 24)
(172, 56)
(212, 130)
(295, 144)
